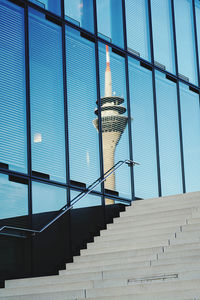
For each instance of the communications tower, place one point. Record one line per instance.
(113, 125)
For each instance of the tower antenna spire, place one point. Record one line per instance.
(108, 79)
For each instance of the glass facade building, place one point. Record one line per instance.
(86, 83)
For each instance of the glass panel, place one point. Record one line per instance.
(80, 12)
(168, 133)
(46, 198)
(163, 34)
(12, 87)
(88, 201)
(143, 130)
(81, 96)
(190, 114)
(114, 119)
(52, 5)
(185, 46)
(110, 21)
(137, 23)
(13, 198)
(46, 95)
(197, 8)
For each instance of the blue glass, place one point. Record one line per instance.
(143, 130)
(88, 201)
(47, 198)
(13, 198)
(114, 120)
(46, 97)
(13, 144)
(163, 33)
(197, 11)
(110, 21)
(168, 134)
(190, 114)
(80, 13)
(53, 6)
(137, 23)
(81, 97)
(185, 39)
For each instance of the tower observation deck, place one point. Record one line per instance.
(113, 124)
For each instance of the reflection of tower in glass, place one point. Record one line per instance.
(113, 125)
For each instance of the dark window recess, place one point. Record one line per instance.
(171, 78)
(105, 37)
(134, 52)
(53, 20)
(4, 166)
(118, 52)
(111, 192)
(75, 22)
(39, 174)
(146, 66)
(181, 76)
(194, 90)
(77, 183)
(87, 37)
(18, 179)
(161, 66)
(19, 3)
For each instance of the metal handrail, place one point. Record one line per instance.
(80, 196)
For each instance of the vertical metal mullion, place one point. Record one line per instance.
(99, 115)
(99, 101)
(65, 111)
(124, 24)
(178, 98)
(196, 41)
(155, 103)
(28, 122)
(28, 113)
(128, 100)
(62, 9)
(129, 126)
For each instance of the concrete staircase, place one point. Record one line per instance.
(151, 252)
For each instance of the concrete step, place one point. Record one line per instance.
(148, 209)
(135, 242)
(93, 268)
(43, 292)
(182, 247)
(190, 227)
(48, 296)
(125, 246)
(137, 233)
(175, 260)
(155, 202)
(54, 279)
(150, 222)
(140, 288)
(160, 265)
(194, 221)
(188, 240)
(174, 295)
(139, 251)
(188, 234)
(142, 228)
(180, 253)
(131, 237)
(73, 289)
(155, 270)
(134, 215)
(122, 260)
(118, 254)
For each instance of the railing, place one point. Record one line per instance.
(66, 208)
